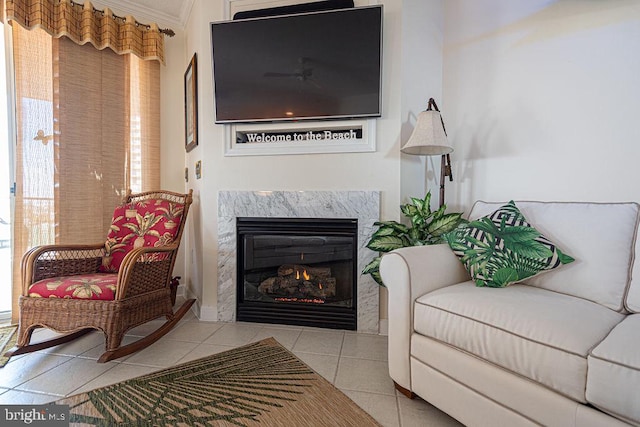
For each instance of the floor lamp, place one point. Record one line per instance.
(429, 138)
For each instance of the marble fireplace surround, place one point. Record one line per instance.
(363, 205)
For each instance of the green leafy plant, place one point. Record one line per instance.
(427, 228)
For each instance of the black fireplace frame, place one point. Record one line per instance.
(316, 315)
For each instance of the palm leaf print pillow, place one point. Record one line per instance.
(503, 248)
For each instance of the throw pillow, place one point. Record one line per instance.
(151, 223)
(503, 248)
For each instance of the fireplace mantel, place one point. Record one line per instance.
(363, 205)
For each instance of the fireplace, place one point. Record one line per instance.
(299, 271)
(362, 205)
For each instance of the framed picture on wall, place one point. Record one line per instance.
(191, 105)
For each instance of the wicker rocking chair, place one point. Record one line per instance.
(112, 286)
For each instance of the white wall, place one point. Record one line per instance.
(380, 170)
(542, 99)
(421, 68)
(172, 135)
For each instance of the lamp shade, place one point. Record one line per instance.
(428, 137)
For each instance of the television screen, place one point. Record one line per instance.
(319, 65)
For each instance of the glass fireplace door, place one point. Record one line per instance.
(296, 268)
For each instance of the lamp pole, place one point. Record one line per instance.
(445, 160)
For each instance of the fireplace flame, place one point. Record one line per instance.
(302, 256)
(305, 275)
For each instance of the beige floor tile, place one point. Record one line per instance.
(119, 373)
(146, 328)
(286, 337)
(365, 346)
(382, 407)
(324, 364)
(204, 350)
(193, 331)
(97, 351)
(272, 325)
(190, 315)
(16, 397)
(364, 375)
(418, 413)
(79, 345)
(311, 341)
(41, 334)
(64, 378)
(161, 354)
(18, 371)
(234, 334)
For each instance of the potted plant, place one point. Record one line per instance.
(427, 228)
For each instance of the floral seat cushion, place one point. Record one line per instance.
(150, 223)
(99, 286)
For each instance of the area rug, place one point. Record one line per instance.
(7, 341)
(260, 384)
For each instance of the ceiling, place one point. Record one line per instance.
(171, 13)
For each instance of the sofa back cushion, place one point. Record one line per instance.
(600, 236)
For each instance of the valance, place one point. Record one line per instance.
(83, 24)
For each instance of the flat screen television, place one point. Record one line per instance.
(308, 66)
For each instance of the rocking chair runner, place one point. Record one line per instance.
(112, 287)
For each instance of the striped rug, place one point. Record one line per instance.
(7, 341)
(260, 384)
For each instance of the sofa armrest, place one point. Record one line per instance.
(409, 273)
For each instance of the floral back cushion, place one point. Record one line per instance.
(148, 223)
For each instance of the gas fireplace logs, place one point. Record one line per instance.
(295, 280)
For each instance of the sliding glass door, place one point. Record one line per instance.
(6, 188)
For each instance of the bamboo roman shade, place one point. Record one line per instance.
(84, 24)
(87, 121)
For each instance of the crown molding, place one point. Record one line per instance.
(147, 14)
(185, 11)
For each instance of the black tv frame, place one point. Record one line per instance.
(301, 9)
(317, 6)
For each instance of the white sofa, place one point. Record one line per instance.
(560, 349)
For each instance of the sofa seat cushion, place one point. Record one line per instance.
(542, 335)
(614, 371)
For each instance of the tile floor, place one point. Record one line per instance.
(355, 363)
